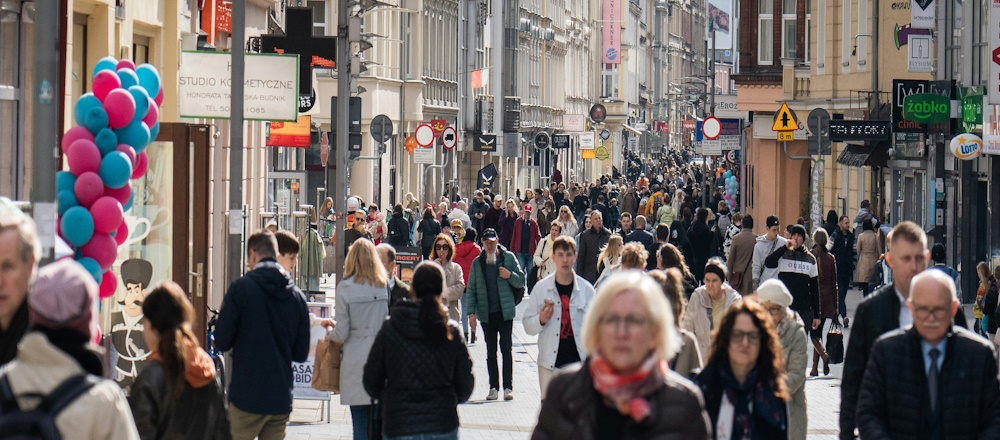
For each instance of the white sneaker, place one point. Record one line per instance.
(508, 394)
(492, 395)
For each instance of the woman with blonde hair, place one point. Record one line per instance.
(362, 304)
(610, 258)
(543, 252)
(454, 286)
(568, 223)
(634, 256)
(625, 384)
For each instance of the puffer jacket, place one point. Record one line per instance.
(465, 252)
(476, 297)
(894, 400)
(570, 409)
(419, 383)
(795, 346)
(698, 315)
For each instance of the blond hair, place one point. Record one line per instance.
(634, 256)
(364, 265)
(613, 249)
(668, 340)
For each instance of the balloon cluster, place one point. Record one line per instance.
(732, 188)
(105, 151)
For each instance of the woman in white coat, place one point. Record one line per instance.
(708, 304)
(362, 305)
(565, 295)
(543, 252)
(454, 283)
(568, 223)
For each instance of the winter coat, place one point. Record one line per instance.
(869, 250)
(665, 215)
(701, 245)
(429, 230)
(265, 322)
(533, 237)
(859, 221)
(761, 250)
(712, 388)
(630, 203)
(398, 234)
(570, 410)
(543, 257)
(569, 229)
(646, 239)
(740, 261)
(689, 360)
(200, 411)
(100, 413)
(477, 299)
(698, 315)
(842, 248)
(359, 312)
(894, 401)
(506, 231)
(589, 250)
(352, 235)
(549, 333)
(491, 220)
(990, 305)
(478, 208)
(679, 238)
(378, 229)
(829, 296)
(465, 252)
(454, 288)
(795, 345)
(420, 384)
(13, 334)
(727, 241)
(797, 269)
(460, 216)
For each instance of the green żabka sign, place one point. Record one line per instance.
(926, 108)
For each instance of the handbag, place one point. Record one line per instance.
(375, 420)
(326, 366)
(835, 344)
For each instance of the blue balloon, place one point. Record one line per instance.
(116, 169)
(128, 205)
(142, 101)
(66, 199)
(106, 141)
(96, 120)
(127, 77)
(92, 267)
(83, 105)
(106, 63)
(135, 135)
(149, 79)
(155, 130)
(77, 226)
(728, 174)
(65, 181)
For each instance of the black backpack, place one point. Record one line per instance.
(518, 291)
(657, 203)
(39, 423)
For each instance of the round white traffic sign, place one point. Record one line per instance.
(711, 128)
(449, 137)
(424, 135)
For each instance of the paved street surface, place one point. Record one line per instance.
(515, 419)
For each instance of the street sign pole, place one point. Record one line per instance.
(343, 129)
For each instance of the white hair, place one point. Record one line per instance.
(942, 278)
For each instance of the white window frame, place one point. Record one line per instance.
(762, 18)
(862, 41)
(319, 19)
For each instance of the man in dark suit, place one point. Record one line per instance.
(930, 380)
(882, 312)
(398, 290)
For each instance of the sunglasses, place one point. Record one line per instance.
(441, 247)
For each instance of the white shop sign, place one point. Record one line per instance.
(271, 86)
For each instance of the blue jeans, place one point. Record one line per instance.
(526, 261)
(429, 436)
(465, 317)
(843, 285)
(359, 418)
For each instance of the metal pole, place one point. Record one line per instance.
(497, 71)
(235, 255)
(343, 112)
(712, 72)
(46, 110)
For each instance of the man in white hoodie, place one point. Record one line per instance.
(766, 244)
(459, 213)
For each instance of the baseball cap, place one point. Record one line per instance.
(490, 234)
(64, 296)
(527, 208)
(772, 221)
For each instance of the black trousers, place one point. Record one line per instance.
(498, 327)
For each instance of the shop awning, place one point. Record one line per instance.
(633, 130)
(868, 155)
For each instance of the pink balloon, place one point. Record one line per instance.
(120, 106)
(83, 156)
(120, 194)
(74, 134)
(104, 82)
(107, 214)
(128, 150)
(159, 98)
(108, 284)
(125, 63)
(102, 248)
(122, 233)
(89, 187)
(152, 115)
(140, 165)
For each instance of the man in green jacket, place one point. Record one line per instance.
(493, 277)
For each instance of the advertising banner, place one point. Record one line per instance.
(901, 88)
(587, 140)
(993, 96)
(574, 123)
(407, 259)
(720, 11)
(922, 13)
(302, 371)
(991, 130)
(271, 88)
(289, 134)
(612, 32)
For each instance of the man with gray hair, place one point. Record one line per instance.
(932, 379)
(398, 290)
(460, 213)
(19, 255)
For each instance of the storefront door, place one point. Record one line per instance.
(286, 192)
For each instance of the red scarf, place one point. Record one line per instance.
(628, 393)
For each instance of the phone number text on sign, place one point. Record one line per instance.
(270, 84)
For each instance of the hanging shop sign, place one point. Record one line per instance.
(841, 130)
(966, 146)
(270, 87)
(290, 134)
(926, 108)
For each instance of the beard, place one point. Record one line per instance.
(491, 258)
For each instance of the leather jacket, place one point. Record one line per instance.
(199, 413)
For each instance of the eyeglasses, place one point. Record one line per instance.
(924, 312)
(441, 247)
(361, 219)
(738, 337)
(632, 322)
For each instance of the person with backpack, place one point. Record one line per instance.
(656, 201)
(399, 228)
(56, 376)
(178, 394)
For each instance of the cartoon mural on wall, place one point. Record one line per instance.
(126, 324)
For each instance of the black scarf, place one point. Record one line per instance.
(74, 344)
(13, 334)
(766, 406)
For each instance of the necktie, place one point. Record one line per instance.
(932, 379)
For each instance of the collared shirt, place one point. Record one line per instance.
(392, 282)
(905, 314)
(926, 347)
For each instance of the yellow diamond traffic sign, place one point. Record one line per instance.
(785, 119)
(786, 136)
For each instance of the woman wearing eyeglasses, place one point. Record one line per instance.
(708, 304)
(625, 388)
(454, 286)
(744, 381)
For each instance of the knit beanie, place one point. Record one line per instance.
(64, 297)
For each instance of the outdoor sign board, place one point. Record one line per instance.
(270, 86)
(730, 127)
(611, 30)
(841, 130)
(926, 108)
(587, 140)
(901, 88)
(966, 146)
(560, 141)
(485, 142)
(993, 95)
(991, 129)
(574, 123)
(972, 108)
(289, 134)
